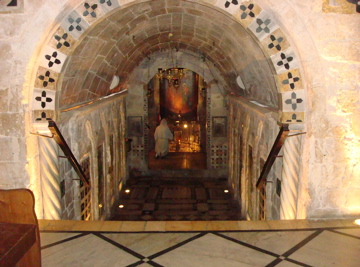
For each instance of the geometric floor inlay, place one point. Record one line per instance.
(175, 199)
(306, 247)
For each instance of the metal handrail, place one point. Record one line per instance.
(67, 151)
(279, 142)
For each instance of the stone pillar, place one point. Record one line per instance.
(50, 184)
(290, 177)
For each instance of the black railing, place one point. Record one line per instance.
(67, 151)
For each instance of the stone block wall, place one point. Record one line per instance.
(330, 179)
(23, 24)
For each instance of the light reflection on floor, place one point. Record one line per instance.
(178, 161)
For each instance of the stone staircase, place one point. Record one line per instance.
(155, 198)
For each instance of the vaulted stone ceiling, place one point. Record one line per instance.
(119, 42)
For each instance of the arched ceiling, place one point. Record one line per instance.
(122, 39)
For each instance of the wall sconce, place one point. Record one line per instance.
(149, 92)
(159, 74)
(203, 92)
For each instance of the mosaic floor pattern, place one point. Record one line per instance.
(175, 199)
(337, 246)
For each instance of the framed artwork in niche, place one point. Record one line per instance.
(219, 126)
(135, 126)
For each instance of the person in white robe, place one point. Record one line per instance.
(162, 137)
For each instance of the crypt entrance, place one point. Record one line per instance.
(239, 106)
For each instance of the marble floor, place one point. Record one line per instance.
(200, 244)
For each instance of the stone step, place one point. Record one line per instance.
(182, 173)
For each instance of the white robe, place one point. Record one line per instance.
(162, 136)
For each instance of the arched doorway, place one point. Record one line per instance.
(92, 72)
(179, 96)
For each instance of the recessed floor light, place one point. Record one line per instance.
(226, 191)
(121, 206)
(127, 191)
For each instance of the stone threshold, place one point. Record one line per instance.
(190, 226)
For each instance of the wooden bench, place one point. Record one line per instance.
(19, 230)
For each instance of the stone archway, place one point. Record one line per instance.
(71, 34)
